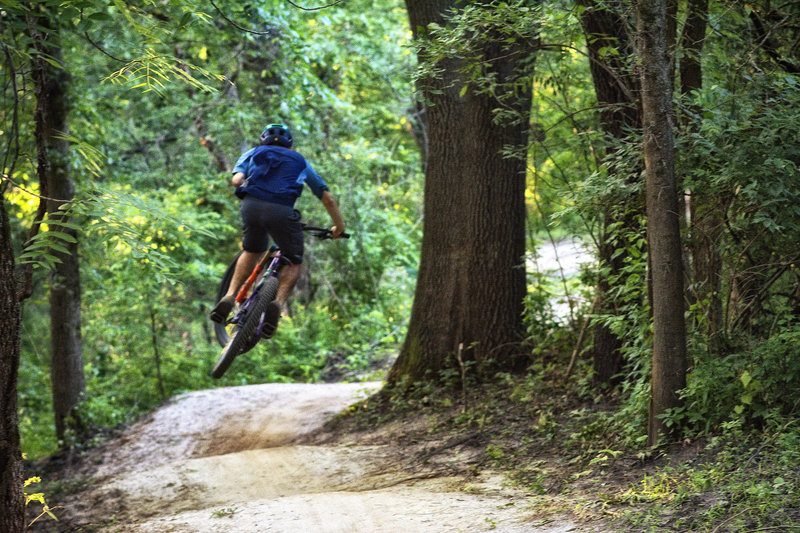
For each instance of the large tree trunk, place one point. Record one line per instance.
(471, 279)
(12, 505)
(615, 87)
(663, 224)
(66, 359)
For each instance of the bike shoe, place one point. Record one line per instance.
(272, 315)
(223, 308)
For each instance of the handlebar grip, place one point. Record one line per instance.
(328, 235)
(323, 233)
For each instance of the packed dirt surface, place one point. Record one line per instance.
(240, 460)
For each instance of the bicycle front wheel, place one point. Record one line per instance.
(245, 334)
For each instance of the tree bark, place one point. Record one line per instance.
(66, 357)
(663, 224)
(616, 89)
(12, 505)
(471, 281)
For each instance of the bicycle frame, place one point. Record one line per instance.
(274, 253)
(245, 327)
(242, 298)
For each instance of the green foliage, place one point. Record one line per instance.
(552, 309)
(226, 512)
(153, 71)
(166, 94)
(476, 34)
(564, 137)
(739, 482)
(36, 423)
(740, 153)
(40, 249)
(748, 387)
(739, 141)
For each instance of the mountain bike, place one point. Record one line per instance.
(247, 325)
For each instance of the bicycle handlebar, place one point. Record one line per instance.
(323, 233)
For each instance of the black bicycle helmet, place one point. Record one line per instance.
(277, 134)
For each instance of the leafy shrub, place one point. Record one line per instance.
(751, 386)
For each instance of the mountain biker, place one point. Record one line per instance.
(268, 179)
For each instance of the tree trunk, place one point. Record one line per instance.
(694, 35)
(471, 281)
(156, 354)
(663, 224)
(615, 87)
(12, 505)
(66, 359)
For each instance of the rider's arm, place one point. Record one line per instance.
(320, 190)
(241, 167)
(333, 210)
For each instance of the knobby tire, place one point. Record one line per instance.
(244, 336)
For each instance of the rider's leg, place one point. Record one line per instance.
(244, 267)
(287, 232)
(277, 307)
(288, 279)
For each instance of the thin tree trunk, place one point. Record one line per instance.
(694, 34)
(156, 353)
(12, 505)
(66, 359)
(663, 224)
(471, 281)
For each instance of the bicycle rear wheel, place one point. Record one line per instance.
(245, 334)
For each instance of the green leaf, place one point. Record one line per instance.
(60, 235)
(185, 19)
(52, 61)
(746, 379)
(99, 16)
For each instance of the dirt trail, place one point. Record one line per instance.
(225, 461)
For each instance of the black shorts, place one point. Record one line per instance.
(262, 220)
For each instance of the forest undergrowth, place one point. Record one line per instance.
(572, 453)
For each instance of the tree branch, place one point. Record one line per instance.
(771, 47)
(315, 8)
(106, 53)
(237, 26)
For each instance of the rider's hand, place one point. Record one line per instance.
(336, 232)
